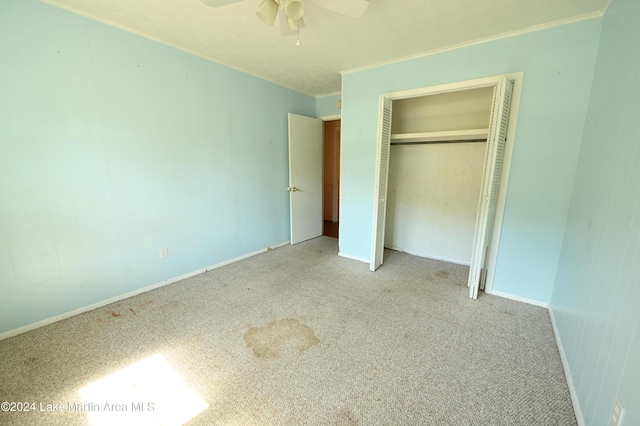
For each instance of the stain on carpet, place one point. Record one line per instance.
(442, 274)
(30, 361)
(346, 417)
(279, 338)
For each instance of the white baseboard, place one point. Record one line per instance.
(427, 256)
(362, 259)
(60, 317)
(518, 298)
(282, 244)
(349, 256)
(567, 372)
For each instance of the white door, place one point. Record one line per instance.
(382, 179)
(305, 177)
(490, 180)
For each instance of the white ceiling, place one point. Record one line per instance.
(331, 43)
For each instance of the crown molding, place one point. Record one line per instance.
(553, 24)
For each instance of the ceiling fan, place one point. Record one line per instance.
(293, 11)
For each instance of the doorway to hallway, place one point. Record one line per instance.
(331, 178)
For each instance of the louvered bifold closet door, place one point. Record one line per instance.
(382, 178)
(490, 185)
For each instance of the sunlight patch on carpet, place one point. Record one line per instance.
(148, 392)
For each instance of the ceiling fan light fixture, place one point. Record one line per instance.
(296, 25)
(268, 11)
(294, 9)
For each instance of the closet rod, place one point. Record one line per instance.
(438, 142)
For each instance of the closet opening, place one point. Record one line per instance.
(434, 180)
(442, 167)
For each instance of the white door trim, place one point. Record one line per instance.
(330, 117)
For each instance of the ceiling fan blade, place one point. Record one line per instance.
(218, 3)
(353, 8)
(288, 28)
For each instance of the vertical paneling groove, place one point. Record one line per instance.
(623, 199)
(596, 294)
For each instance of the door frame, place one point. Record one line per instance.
(334, 117)
(517, 79)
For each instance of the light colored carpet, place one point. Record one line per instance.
(297, 336)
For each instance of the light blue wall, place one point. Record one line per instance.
(327, 105)
(596, 300)
(558, 65)
(112, 146)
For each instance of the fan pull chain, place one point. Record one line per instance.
(298, 41)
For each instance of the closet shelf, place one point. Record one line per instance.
(454, 135)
